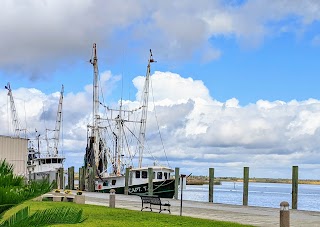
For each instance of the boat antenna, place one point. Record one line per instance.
(145, 97)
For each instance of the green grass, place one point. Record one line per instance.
(104, 216)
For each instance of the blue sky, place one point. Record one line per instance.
(252, 67)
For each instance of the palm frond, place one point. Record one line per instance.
(16, 218)
(13, 189)
(5, 167)
(58, 215)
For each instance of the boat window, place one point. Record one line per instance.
(144, 174)
(159, 175)
(137, 174)
(165, 175)
(105, 183)
(48, 161)
(114, 182)
(59, 160)
(39, 163)
(43, 161)
(54, 160)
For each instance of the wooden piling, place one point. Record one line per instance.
(126, 183)
(68, 183)
(176, 183)
(150, 181)
(60, 174)
(211, 183)
(295, 170)
(71, 177)
(57, 179)
(82, 178)
(91, 183)
(245, 186)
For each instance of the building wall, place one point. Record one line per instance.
(15, 151)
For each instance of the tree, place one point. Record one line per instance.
(14, 190)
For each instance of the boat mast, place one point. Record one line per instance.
(58, 124)
(95, 130)
(145, 98)
(119, 142)
(15, 119)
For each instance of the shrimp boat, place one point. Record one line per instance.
(40, 165)
(45, 165)
(115, 144)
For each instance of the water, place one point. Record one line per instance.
(260, 194)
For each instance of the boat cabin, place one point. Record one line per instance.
(139, 175)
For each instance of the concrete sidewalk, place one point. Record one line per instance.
(257, 216)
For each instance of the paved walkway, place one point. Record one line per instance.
(257, 216)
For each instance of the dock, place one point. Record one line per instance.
(256, 216)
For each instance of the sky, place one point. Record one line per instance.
(235, 84)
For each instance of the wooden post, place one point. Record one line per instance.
(284, 214)
(245, 186)
(176, 182)
(81, 179)
(150, 182)
(68, 183)
(211, 183)
(126, 183)
(60, 180)
(295, 187)
(57, 179)
(91, 186)
(71, 186)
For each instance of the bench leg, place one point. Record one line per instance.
(146, 207)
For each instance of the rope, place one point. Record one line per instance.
(155, 114)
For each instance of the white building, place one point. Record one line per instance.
(15, 151)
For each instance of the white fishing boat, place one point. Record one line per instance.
(116, 145)
(40, 164)
(45, 165)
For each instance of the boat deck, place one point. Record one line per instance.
(257, 216)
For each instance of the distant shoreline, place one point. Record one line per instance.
(200, 180)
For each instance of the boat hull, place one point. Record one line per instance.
(164, 189)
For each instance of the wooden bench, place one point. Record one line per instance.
(148, 201)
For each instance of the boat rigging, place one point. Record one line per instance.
(108, 143)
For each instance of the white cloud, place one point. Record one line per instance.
(39, 36)
(197, 130)
(173, 88)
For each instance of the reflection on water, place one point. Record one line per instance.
(260, 194)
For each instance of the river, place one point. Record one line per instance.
(260, 194)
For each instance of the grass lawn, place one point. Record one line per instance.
(105, 216)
